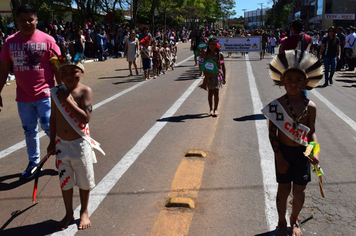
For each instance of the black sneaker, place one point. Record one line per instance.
(27, 173)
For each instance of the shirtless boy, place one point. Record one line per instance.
(291, 128)
(75, 157)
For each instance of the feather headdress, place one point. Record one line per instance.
(306, 62)
(67, 60)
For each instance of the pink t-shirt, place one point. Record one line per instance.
(32, 68)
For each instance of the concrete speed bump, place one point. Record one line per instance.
(180, 202)
(195, 153)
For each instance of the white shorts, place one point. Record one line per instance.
(75, 164)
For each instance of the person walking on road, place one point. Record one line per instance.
(291, 126)
(214, 74)
(30, 51)
(330, 51)
(71, 142)
(194, 44)
(131, 51)
(296, 36)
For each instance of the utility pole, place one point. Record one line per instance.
(261, 13)
(244, 17)
(274, 7)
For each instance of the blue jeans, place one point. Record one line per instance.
(329, 61)
(100, 54)
(30, 113)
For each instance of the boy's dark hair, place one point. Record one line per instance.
(297, 25)
(26, 9)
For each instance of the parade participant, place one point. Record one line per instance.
(167, 56)
(264, 45)
(29, 50)
(296, 35)
(194, 44)
(214, 74)
(174, 51)
(70, 114)
(330, 51)
(291, 126)
(131, 51)
(156, 59)
(144, 34)
(163, 62)
(146, 54)
(201, 53)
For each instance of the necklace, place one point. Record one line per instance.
(295, 118)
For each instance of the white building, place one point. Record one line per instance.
(255, 19)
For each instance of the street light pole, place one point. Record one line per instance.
(261, 13)
(244, 17)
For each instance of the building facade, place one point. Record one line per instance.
(321, 14)
(255, 19)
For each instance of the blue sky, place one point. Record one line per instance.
(250, 5)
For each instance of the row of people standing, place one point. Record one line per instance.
(156, 55)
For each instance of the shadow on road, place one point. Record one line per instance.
(44, 228)
(189, 74)
(184, 117)
(251, 117)
(18, 182)
(270, 233)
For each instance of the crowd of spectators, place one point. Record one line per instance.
(94, 40)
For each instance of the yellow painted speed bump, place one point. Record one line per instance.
(180, 202)
(195, 153)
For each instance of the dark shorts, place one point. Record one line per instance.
(146, 64)
(299, 166)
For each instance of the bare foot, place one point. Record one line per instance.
(84, 221)
(296, 230)
(63, 224)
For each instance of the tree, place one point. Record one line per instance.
(283, 7)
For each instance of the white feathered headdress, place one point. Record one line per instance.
(306, 62)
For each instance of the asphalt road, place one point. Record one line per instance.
(147, 127)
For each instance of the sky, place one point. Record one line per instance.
(250, 5)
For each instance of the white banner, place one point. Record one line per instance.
(241, 44)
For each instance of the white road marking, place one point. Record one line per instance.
(266, 154)
(337, 111)
(98, 194)
(22, 144)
